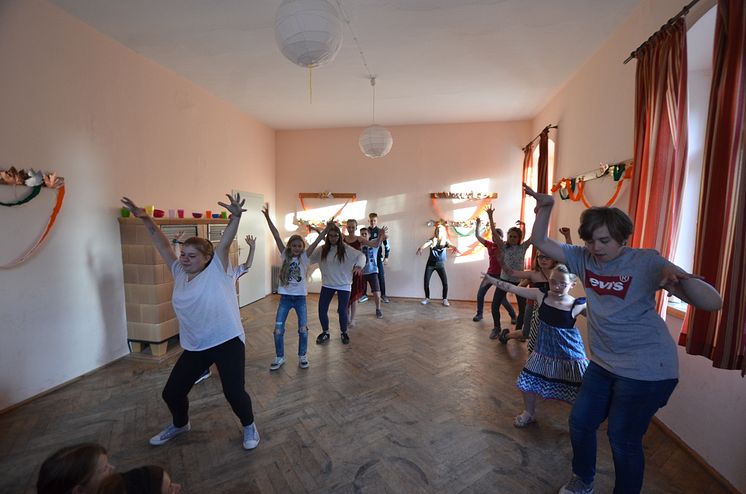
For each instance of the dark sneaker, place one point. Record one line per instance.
(322, 338)
(385, 300)
(477, 318)
(503, 337)
(379, 314)
(495, 333)
(345, 338)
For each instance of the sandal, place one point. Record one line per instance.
(523, 420)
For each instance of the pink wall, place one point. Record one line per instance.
(424, 159)
(594, 111)
(112, 123)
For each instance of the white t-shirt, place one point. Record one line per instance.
(296, 277)
(206, 306)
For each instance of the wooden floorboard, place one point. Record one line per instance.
(421, 401)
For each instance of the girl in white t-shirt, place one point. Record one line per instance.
(210, 328)
(292, 291)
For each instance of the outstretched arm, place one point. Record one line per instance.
(319, 238)
(251, 242)
(235, 207)
(477, 227)
(160, 241)
(690, 288)
(424, 246)
(273, 229)
(539, 238)
(530, 293)
(496, 236)
(377, 241)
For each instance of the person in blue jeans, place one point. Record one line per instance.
(292, 290)
(634, 366)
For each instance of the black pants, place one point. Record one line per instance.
(229, 357)
(500, 295)
(440, 268)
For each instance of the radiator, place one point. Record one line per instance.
(275, 278)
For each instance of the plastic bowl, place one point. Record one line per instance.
(158, 213)
(196, 215)
(216, 215)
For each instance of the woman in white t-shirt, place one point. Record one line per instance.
(292, 290)
(210, 329)
(337, 262)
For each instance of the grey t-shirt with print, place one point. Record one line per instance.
(626, 334)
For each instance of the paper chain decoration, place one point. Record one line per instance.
(574, 188)
(350, 196)
(35, 180)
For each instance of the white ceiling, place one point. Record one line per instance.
(437, 61)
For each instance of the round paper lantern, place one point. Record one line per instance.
(375, 141)
(308, 32)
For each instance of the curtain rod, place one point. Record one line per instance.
(545, 129)
(670, 22)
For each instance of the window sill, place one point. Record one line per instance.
(674, 312)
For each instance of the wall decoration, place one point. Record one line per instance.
(574, 188)
(350, 196)
(485, 201)
(35, 180)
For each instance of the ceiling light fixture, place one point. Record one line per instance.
(375, 141)
(308, 32)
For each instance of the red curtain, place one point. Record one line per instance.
(720, 248)
(542, 184)
(660, 147)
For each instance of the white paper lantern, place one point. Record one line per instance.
(308, 32)
(375, 141)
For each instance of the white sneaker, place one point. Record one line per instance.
(250, 436)
(169, 433)
(424, 301)
(576, 486)
(303, 361)
(276, 363)
(445, 302)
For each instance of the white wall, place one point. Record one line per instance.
(594, 111)
(483, 157)
(111, 123)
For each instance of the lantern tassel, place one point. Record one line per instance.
(310, 85)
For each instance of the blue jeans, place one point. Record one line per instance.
(287, 302)
(325, 298)
(629, 405)
(495, 308)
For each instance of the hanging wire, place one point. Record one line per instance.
(373, 84)
(357, 41)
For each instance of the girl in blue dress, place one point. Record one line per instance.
(555, 368)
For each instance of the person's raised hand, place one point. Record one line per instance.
(265, 209)
(542, 200)
(236, 205)
(136, 211)
(250, 240)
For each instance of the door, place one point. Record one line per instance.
(251, 286)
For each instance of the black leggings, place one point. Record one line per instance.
(230, 358)
(500, 295)
(440, 268)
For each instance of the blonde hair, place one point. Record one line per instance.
(561, 268)
(287, 259)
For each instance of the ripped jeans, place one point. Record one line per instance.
(287, 302)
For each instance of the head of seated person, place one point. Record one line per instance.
(76, 469)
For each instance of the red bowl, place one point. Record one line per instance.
(158, 213)
(196, 215)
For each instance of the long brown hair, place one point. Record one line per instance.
(68, 467)
(340, 254)
(287, 259)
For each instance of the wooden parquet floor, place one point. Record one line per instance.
(419, 402)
